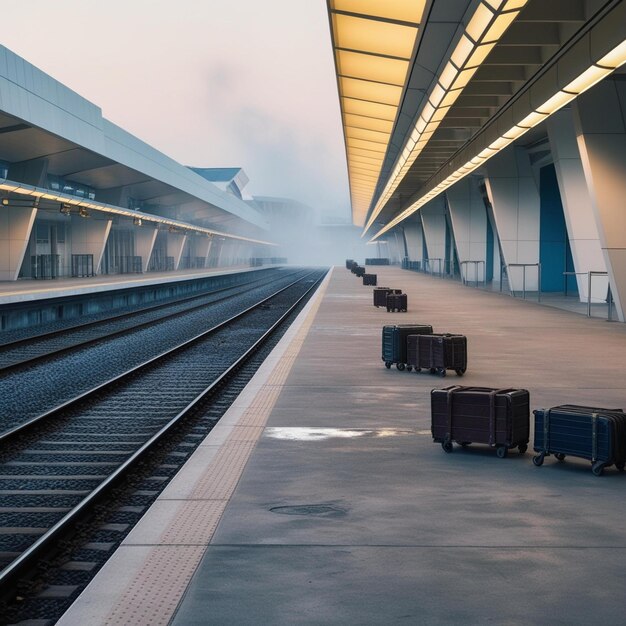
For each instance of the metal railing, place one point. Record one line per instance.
(475, 264)
(45, 266)
(524, 266)
(609, 295)
(566, 274)
(82, 265)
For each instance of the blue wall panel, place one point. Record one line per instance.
(554, 250)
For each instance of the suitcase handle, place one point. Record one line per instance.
(449, 393)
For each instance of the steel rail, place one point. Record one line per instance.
(9, 576)
(82, 343)
(55, 411)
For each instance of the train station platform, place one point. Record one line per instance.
(30, 290)
(320, 498)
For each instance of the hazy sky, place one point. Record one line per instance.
(210, 83)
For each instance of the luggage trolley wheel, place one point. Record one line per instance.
(400, 366)
(409, 368)
(559, 456)
(417, 369)
(441, 371)
(597, 468)
(433, 370)
(447, 446)
(522, 448)
(502, 452)
(460, 371)
(388, 364)
(538, 459)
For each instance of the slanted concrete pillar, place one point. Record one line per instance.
(414, 240)
(599, 121)
(89, 236)
(469, 224)
(145, 236)
(580, 219)
(514, 197)
(433, 216)
(175, 246)
(16, 224)
(201, 247)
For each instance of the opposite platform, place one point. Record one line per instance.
(30, 290)
(347, 513)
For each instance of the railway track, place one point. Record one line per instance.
(27, 350)
(62, 464)
(57, 376)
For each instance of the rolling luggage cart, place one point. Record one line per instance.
(370, 279)
(350, 263)
(438, 353)
(359, 271)
(496, 417)
(394, 342)
(396, 302)
(598, 435)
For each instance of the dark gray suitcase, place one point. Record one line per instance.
(438, 353)
(370, 279)
(496, 417)
(380, 295)
(396, 302)
(359, 271)
(596, 434)
(394, 342)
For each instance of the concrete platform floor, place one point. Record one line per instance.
(346, 512)
(28, 290)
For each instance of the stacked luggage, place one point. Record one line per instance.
(380, 295)
(598, 435)
(394, 343)
(370, 279)
(496, 417)
(350, 263)
(396, 302)
(438, 353)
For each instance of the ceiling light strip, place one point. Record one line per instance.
(368, 51)
(488, 23)
(587, 79)
(44, 194)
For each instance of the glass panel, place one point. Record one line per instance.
(370, 109)
(355, 33)
(370, 67)
(372, 92)
(369, 135)
(404, 10)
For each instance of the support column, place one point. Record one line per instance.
(201, 248)
(601, 132)
(582, 229)
(433, 216)
(514, 197)
(145, 236)
(414, 240)
(469, 224)
(89, 236)
(175, 246)
(16, 224)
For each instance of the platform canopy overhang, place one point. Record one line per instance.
(481, 74)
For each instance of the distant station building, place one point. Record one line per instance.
(80, 196)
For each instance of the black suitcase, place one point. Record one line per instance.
(438, 353)
(349, 263)
(394, 342)
(380, 295)
(497, 417)
(596, 434)
(370, 279)
(396, 302)
(359, 271)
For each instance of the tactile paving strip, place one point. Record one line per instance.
(154, 592)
